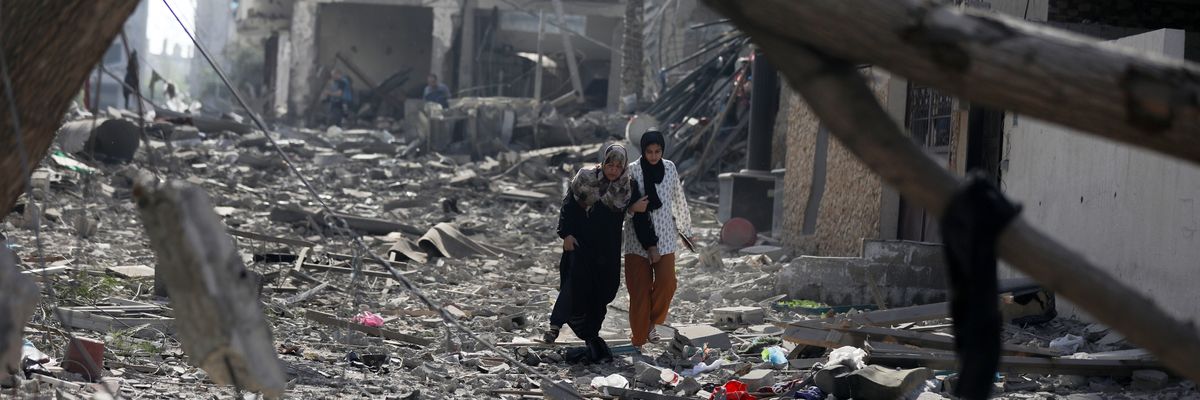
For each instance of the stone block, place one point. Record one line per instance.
(1149, 379)
(759, 378)
(738, 316)
(1020, 384)
(699, 335)
(848, 281)
(904, 252)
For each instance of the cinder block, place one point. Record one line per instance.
(739, 316)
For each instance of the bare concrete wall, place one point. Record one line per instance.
(852, 200)
(1132, 212)
(379, 39)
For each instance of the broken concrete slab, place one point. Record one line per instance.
(117, 314)
(131, 271)
(701, 335)
(1149, 379)
(773, 252)
(759, 378)
(904, 252)
(845, 281)
(872, 382)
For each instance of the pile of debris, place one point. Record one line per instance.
(477, 237)
(717, 87)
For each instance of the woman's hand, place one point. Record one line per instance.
(654, 256)
(569, 243)
(640, 205)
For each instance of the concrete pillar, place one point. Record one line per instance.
(764, 102)
(283, 73)
(443, 39)
(304, 55)
(466, 55)
(614, 70)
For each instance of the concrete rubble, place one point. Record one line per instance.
(490, 258)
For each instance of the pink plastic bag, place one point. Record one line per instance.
(369, 319)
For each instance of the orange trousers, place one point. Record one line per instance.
(651, 288)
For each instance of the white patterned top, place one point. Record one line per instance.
(673, 218)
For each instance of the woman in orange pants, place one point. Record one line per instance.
(650, 270)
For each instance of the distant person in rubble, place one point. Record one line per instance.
(590, 223)
(650, 270)
(339, 95)
(436, 92)
(131, 77)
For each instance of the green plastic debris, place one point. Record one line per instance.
(67, 162)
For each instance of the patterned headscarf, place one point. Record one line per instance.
(590, 185)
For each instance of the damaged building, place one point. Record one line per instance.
(1127, 207)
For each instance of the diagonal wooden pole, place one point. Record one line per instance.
(839, 95)
(1137, 98)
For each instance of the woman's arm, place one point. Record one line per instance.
(568, 216)
(643, 227)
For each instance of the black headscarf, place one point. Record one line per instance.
(652, 173)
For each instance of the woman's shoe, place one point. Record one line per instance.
(654, 336)
(551, 334)
(598, 351)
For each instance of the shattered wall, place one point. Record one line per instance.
(850, 201)
(306, 78)
(1131, 211)
(379, 40)
(264, 16)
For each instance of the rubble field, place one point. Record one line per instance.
(478, 238)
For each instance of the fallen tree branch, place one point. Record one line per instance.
(1141, 99)
(218, 316)
(838, 94)
(50, 47)
(16, 306)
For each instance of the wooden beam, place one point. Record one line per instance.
(334, 321)
(837, 92)
(942, 342)
(1017, 365)
(1137, 98)
(305, 295)
(902, 315)
(348, 270)
(219, 319)
(49, 48)
(269, 238)
(105, 321)
(809, 335)
(816, 333)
